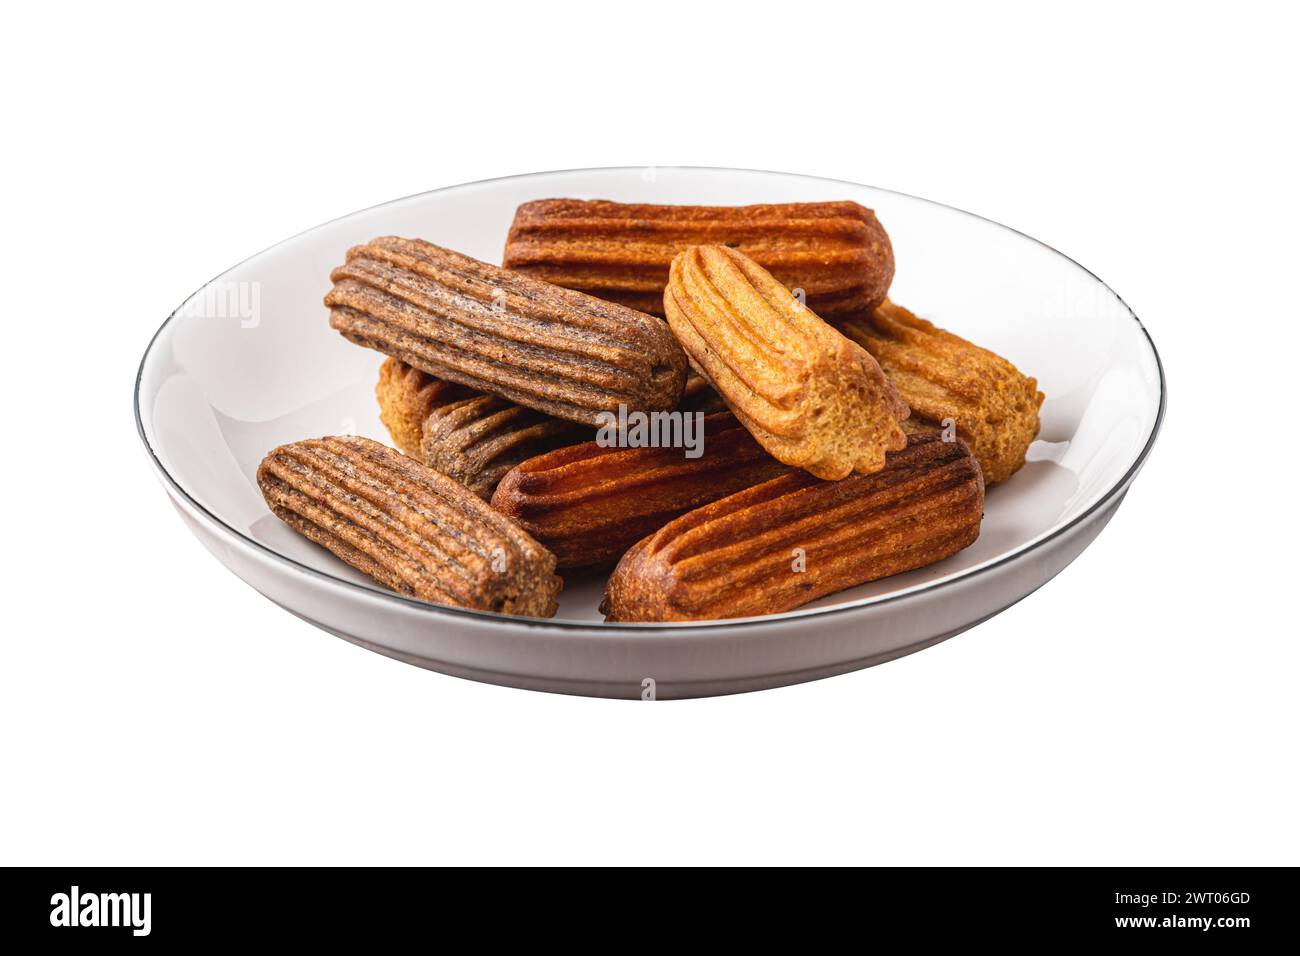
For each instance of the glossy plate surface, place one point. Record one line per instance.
(249, 362)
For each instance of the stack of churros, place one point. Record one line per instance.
(718, 407)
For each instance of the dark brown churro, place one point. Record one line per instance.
(551, 349)
(464, 434)
(407, 526)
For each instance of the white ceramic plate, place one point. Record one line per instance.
(249, 362)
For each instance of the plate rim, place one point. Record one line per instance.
(614, 627)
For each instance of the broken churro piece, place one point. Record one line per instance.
(791, 540)
(811, 397)
(836, 252)
(589, 504)
(992, 405)
(407, 526)
(551, 349)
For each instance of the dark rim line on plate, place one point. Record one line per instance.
(601, 627)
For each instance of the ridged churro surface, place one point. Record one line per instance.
(837, 252)
(589, 504)
(992, 405)
(407, 396)
(551, 349)
(467, 435)
(809, 396)
(793, 539)
(407, 526)
(478, 440)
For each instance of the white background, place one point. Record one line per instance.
(1141, 708)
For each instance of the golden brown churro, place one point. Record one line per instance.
(946, 379)
(809, 396)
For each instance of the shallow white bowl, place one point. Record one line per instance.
(249, 362)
